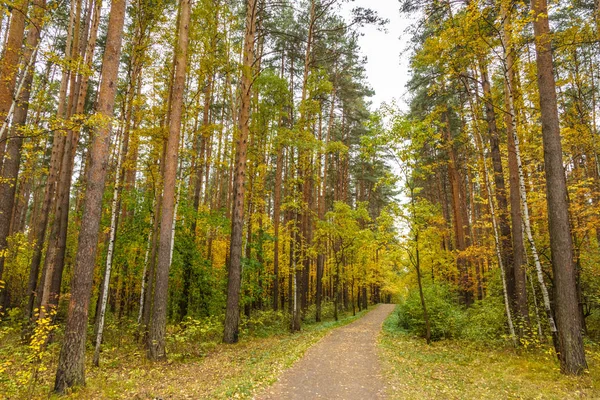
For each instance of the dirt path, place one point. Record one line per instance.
(343, 365)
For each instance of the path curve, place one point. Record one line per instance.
(342, 365)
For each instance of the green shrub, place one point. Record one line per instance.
(265, 323)
(486, 321)
(16, 269)
(593, 325)
(445, 315)
(326, 312)
(195, 336)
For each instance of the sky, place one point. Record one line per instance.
(387, 68)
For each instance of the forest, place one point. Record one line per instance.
(194, 193)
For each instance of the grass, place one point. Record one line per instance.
(222, 371)
(461, 370)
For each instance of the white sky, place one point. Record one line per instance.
(387, 66)
(387, 69)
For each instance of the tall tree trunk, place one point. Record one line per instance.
(457, 203)
(55, 255)
(502, 214)
(9, 68)
(277, 203)
(497, 236)
(568, 318)
(509, 80)
(297, 273)
(71, 365)
(416, 260)
(518, 250)
(202, 162)
(323, 205)
(304, 160)
(58, 149)
(156, 338)
(276, 223)
(234, 279)
(109, 255)
(248, 303)
(144, 279)
(150, 277)
(12, 159)
(421, 295)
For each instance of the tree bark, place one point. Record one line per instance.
(457, 203)
(12, 159)
(497, 237)
(71, 365)
(510, 105)
(9, 68)
(156, 338)
(568, 318)
(109, 256)
(296, 274)
(276, 223)
(518, 250)
(234, 279)
(58, 148)
(502, 216)
(55, 255)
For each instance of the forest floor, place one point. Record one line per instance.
(219, 371)
(460, 370)
(349, 359)
(343, 365)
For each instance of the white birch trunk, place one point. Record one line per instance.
(524, 203)
(511, 326)
(535, 302)
(109, 256)
(143, 291)
(174, 224)
(537, 312)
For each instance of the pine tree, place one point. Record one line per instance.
(70, 370)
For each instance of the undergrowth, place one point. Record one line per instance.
(474, 369)
(198, 366)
